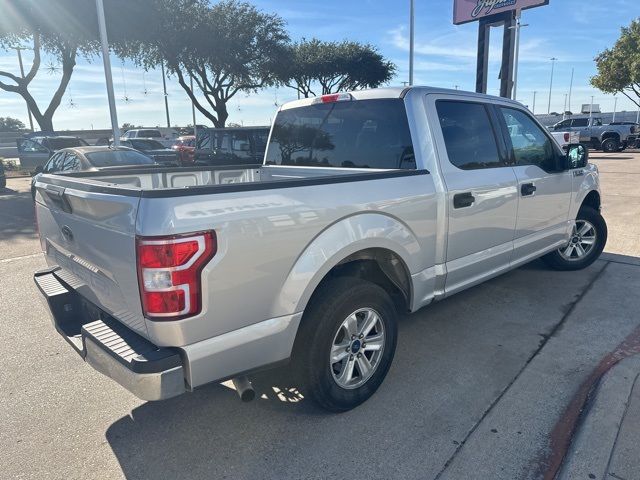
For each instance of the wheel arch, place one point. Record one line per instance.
(372, 246)
(593, 200)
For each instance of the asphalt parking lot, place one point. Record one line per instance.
(487, 384)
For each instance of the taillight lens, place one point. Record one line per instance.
(567, 137)
(333, 98)
(169, 273)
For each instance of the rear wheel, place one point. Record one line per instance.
(346, 343)
(610, 145)
(588, 238)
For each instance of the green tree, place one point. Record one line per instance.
(619, 67)
(62, 29)
(227, 48)
(8, 124)
(329, 67)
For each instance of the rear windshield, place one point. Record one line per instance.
(147, 145)
(60, 143)
(352, 134)
(116, 158)
(149, 134)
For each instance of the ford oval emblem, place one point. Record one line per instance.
(67, 233)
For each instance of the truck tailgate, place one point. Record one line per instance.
(91, 236)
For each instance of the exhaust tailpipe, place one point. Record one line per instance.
(244, 388)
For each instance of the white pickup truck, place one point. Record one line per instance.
(369, 205)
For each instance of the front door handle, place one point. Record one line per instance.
(527, 189)
(463, 200)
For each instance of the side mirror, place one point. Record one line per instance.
(577, 156)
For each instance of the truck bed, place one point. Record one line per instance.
(161, 182)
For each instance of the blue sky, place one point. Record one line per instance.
(574, 31)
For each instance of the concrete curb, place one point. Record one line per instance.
(593, 445)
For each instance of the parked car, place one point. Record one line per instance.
(35, 150)
(608, 138)
(166, 136)
(231, 146)
(153, 149)
(90, 159)
(185, 146)
(3, 177)
(368, 205)
(565, 139)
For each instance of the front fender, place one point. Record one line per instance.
(338, 241)
(588, 183)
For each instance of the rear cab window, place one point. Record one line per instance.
(349, 134)
(149, 134)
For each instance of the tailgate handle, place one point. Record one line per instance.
(57, 197)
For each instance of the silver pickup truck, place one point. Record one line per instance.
(369, 205)
(592, 131)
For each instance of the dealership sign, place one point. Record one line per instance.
(470, 10)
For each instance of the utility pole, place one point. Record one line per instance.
(518, 26)
(19, 50)
(107, 73)
(411, 39)
(166, 99)
(564, 112)
(615, 106)
(553, 64)
(571, 88)
(193, 109)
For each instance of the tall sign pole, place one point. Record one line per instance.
(571, 88)
(107, 73)
(412, 33)
(193, 109)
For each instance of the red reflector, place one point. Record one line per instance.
(566, 137)
(163, 302)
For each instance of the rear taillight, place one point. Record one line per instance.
(567, 137)
(169, 273)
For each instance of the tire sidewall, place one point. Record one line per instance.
(610, 145)
(354, 295)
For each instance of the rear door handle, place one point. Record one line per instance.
(528, 189)
(463, 200)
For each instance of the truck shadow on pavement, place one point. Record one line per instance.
(17, 217)
(454, 359)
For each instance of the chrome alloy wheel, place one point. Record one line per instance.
(357, 348)
(583, 240)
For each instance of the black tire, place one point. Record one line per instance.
(610, 145)
(328, 309)
(559, 262)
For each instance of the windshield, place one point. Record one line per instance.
(351, 134)
(147, 145)
(60, 143)
(115, 158)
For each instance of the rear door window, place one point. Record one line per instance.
(350, 134)
(580, 122)
(468, 135)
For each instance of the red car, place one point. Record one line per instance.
(185, 146)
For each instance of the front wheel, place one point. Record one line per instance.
(346, 343)
(588, 238)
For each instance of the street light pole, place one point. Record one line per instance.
(571, 88)
(615, 106)
(564, 112)
(107, 73)
(411, 39)
(166, 100)
(518, 26)
(19, 50)
(553, 64)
